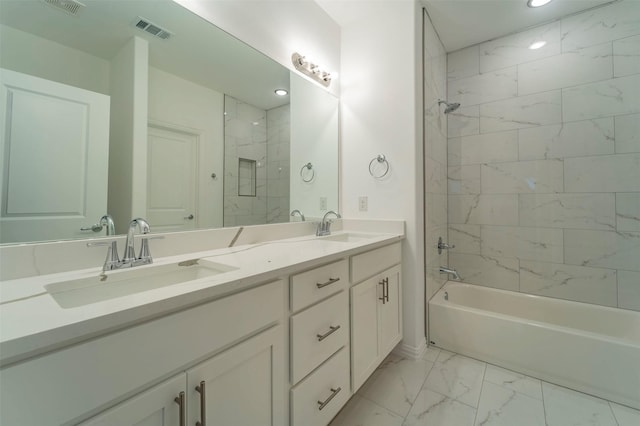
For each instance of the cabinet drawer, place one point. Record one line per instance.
(368, 264)
(311, 286)
(317, 333)
(71, 385)
(319, 387)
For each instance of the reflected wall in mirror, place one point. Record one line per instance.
(121, 110)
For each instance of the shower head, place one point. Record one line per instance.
(450, 106)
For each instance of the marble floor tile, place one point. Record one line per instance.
(457, 377)
(567, 407)
(505, 407)
(431, 354)
(514, 381)
(362, 412)
(434, 409)
(397, 383)
(625, 416)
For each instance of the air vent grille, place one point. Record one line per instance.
(151, 28)
(72, 7)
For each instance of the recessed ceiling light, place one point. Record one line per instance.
(281, 92)
(537, 3)
(537, 44)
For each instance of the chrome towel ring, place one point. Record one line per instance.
(379, 167)
(309, 174)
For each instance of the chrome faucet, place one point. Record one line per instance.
(324, 227)
(112, 259)
(129, 258)
(296, 211)
(451, 272)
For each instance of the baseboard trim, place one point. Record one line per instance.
(411, 352)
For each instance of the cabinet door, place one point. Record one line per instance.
(243, 386)
(154, 407)
(389, 317)
(364, 333)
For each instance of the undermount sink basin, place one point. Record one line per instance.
(74, 293)
(349, 237)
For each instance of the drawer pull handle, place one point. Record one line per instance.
(332, 330)
(180, 401)
(334, 392)
(331, 281)
(203, 401)
(386, 285)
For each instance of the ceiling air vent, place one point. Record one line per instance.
(72, 7)
(148, 26)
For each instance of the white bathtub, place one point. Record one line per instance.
(589, 348)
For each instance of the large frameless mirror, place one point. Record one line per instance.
(142, 108)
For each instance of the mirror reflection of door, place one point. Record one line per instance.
(172, 179)
(55, 149)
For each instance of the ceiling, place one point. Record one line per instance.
(462, 23)
(198, 51)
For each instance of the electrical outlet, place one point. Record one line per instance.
(363, 203)
(323, 203)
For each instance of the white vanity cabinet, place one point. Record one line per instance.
(376, 310)
(220, 342)
(240, 386)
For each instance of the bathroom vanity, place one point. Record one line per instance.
(272, 333)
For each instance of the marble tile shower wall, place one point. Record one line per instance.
(245, 136)
(435, 152)
(278, 154)
(544, 159)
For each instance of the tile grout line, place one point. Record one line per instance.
(484, 374)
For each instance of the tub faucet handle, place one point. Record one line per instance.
(444, 246)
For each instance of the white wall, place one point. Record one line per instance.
(278, 28)
(314, 139)
(33, 55)
(382, 114)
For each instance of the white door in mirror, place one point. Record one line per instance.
(56, 138)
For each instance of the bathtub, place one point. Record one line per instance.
(589, 348)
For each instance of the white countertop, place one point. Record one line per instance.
(32, 322)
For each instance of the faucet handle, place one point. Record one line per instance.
(145, 254)
(112, 260)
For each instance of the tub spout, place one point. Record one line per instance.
(454, 274)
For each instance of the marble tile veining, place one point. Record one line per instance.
(580, 211)
(524, 111)
(491, 209)
(628, 211)
(491, 271)
(600, 25)
(505, 407)
(457, 377)
(571, 282)
(483, 148)
(433, 408)
(593, 63)
(607, 249)
(396, 384)
(627, 128)
(626, 56)
(541, 244)
(483, 88)
(616, 173)
(601, 99)
(463, 63)
(538, 176)
(503, 398)
(574, 139)
(629, 290)
(566, 407)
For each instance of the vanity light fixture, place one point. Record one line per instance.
(537, 3)
(281, 92)
(537, 44)
(310, 69)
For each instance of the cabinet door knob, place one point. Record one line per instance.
(190, 217)
(203, 402)
(331, 281)
(332, 330)
(180, 401)
(324, 403)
